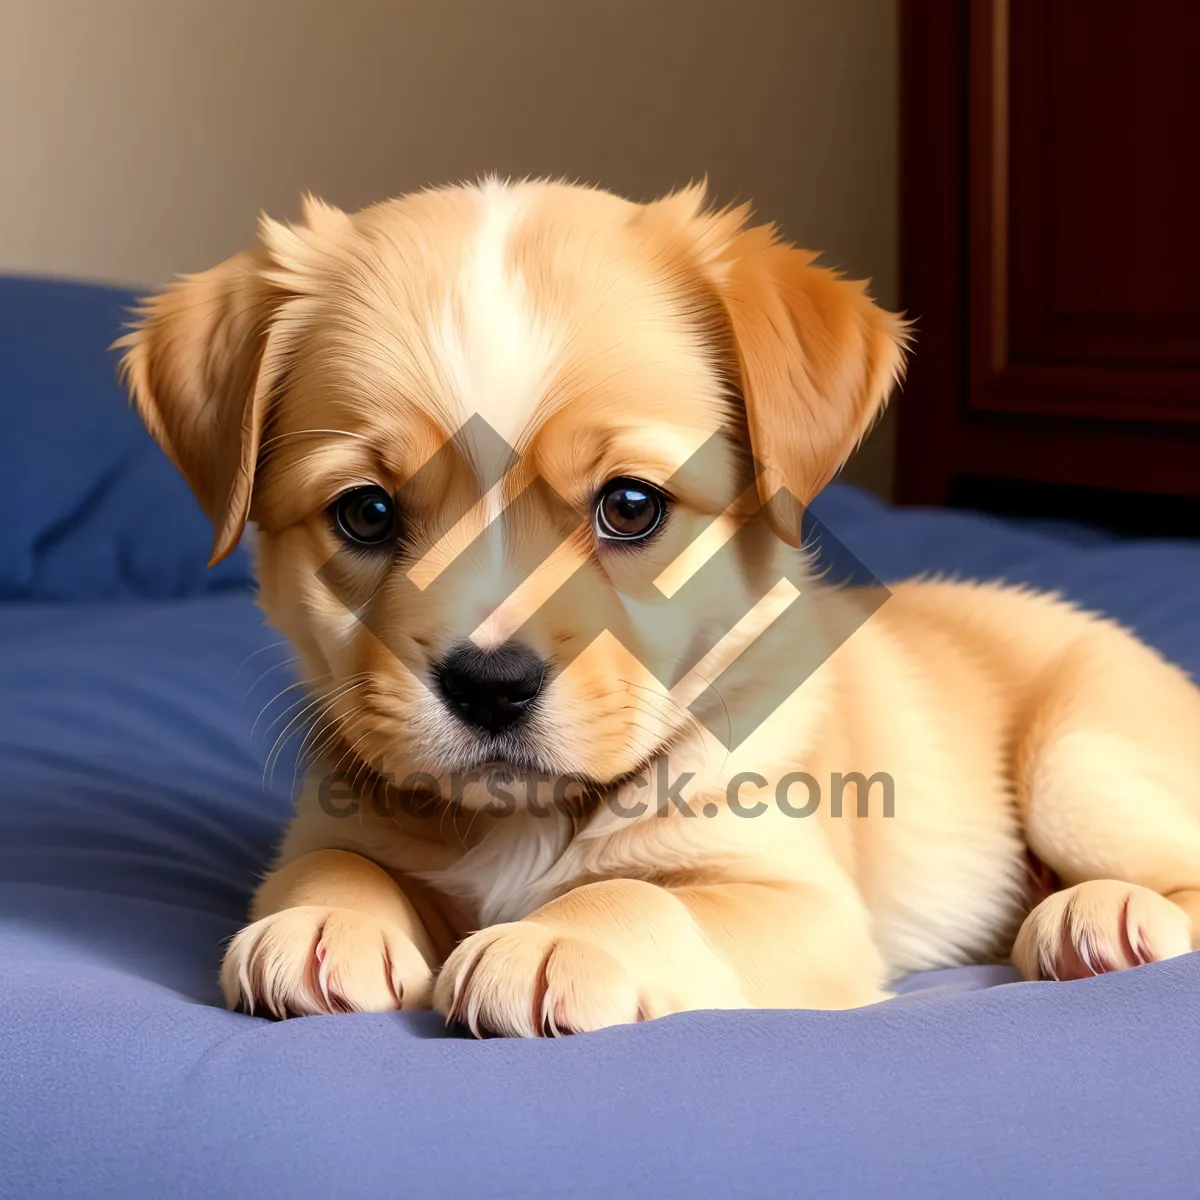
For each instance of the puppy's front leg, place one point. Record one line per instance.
(334, 933)
(623, 950)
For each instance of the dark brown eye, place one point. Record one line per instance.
(365, 516)
(629, 510)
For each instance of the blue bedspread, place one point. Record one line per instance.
(136, 808)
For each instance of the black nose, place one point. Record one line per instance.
(491, 689)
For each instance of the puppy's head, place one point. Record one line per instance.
(492, 438)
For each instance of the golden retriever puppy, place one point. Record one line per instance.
(527, 463)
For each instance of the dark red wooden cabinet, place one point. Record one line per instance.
(1051, 244)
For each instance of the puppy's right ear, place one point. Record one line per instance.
(198, 369)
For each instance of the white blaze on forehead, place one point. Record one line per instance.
(497, 354)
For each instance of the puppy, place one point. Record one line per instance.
(528, 464)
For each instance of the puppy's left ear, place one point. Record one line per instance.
(193, 366)
(205, 355)
(817, 359)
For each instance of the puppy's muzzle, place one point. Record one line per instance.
(491, 690)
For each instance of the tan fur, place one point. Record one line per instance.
(603, 338)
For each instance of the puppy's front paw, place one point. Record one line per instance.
(1099, 926)
(524, 979)
(312, 960)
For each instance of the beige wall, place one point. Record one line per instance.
(139, 138)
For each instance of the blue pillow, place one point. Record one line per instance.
(90, 508)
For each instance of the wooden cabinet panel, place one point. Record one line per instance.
(1051, 243)
(1104, 182)
(1085, 186)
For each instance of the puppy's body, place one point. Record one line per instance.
(602, 341)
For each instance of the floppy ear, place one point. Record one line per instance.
(817, 359)
(193, 367)
(207, 353)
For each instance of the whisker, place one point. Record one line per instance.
(358, 765)
(326, 729)
(689, 718)
(332, 733)
(327, 725)
(684, 713)
(289, 709)
(284, 736)
(261, 650)
(282, 692)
